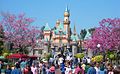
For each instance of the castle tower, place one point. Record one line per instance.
(57, 23)
(74, 41)
(74, 31)
(47, 32)
(66, 22)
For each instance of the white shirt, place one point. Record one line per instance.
(88, 60)
(33, 69)
(60, 60)
(68, 69)
(97, 70)
(51, 60)
(110, 72)
(68, 58)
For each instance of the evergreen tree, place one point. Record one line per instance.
(83, 34)
(91, 30)
(1, 38)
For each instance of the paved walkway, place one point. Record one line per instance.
(57, 71)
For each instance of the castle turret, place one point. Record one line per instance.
(47, 32)
(57, 23)
(67, 22)
(74, 41)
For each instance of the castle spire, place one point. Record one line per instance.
(74, 29)
(67, 10)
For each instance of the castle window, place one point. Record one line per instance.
(40, 51)
(66, 20)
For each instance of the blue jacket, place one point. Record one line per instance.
(91, 70)
(102, 72)
(16, 71)
(8, 71)
(62, 67)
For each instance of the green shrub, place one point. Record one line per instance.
(111, 56)
(79, 55)
(6, 54)
(97, 58)
(47, 56)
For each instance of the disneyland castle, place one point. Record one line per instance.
(59, 39)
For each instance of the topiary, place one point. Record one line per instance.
(98, 58)
(79, 55)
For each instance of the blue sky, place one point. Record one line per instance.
(83, 13)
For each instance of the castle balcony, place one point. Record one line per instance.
(66, 22)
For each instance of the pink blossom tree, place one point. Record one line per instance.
(107, 35)
(18, 31)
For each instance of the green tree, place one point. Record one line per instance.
(42, 29)
(1, 39)
(91, 30)
(83, 34)
(111, 55)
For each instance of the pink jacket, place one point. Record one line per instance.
(78, 70)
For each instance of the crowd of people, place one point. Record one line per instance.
(61, 65)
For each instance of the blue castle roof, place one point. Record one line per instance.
(47, 28)
(60, 30)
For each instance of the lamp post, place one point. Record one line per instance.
(98, 46)
(68, 48)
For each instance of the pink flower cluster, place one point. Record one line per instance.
(18, 30)
(107, 35)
